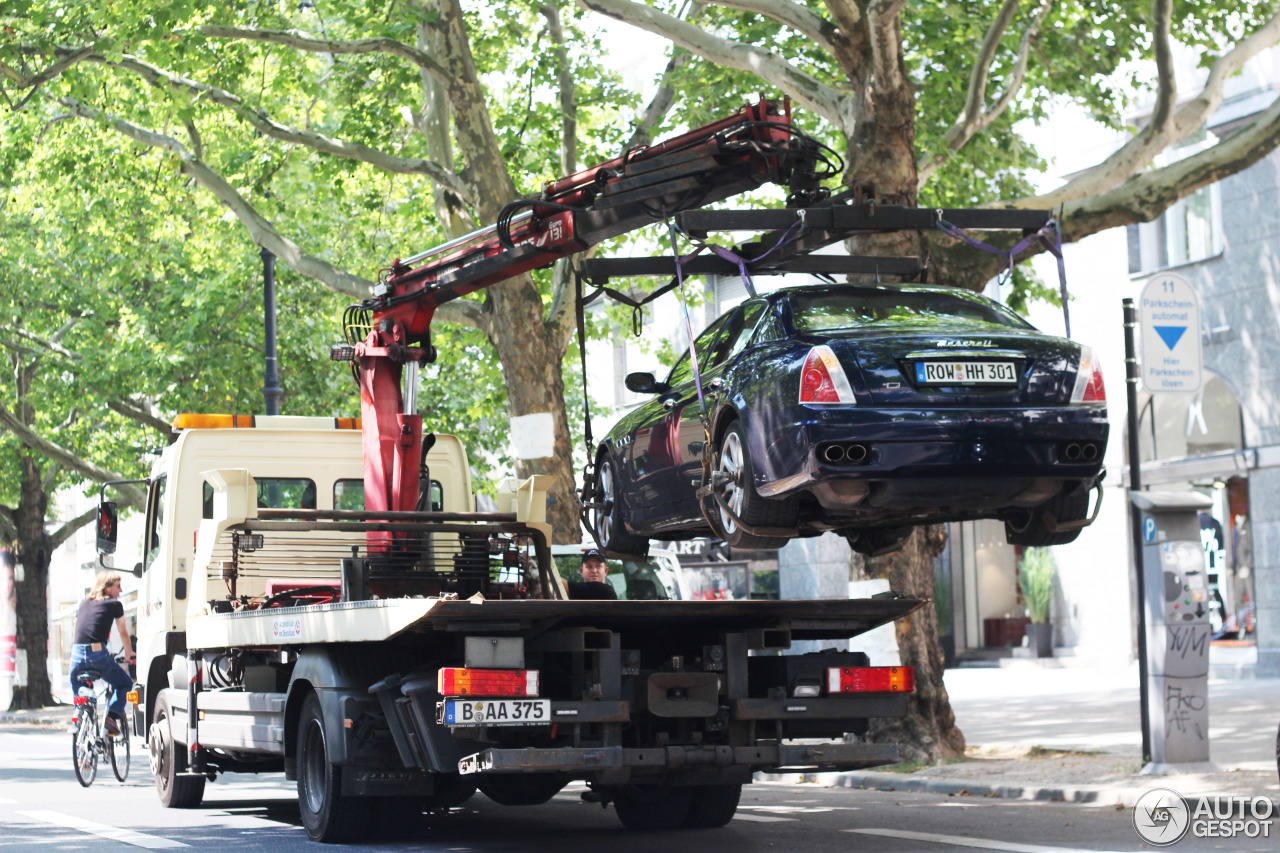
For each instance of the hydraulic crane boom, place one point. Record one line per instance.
(754, 146)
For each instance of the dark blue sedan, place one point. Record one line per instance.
(864, 410)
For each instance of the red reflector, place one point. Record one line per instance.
(455, 681)
(82, 700)
(871, 679)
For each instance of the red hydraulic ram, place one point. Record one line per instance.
(754, 146)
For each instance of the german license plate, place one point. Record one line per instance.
(497, 712)
(966, 373)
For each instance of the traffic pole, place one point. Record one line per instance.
(1135, 518)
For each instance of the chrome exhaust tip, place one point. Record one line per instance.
(833, 453)
(856, 453)
(1071, 452)
(1089, 452)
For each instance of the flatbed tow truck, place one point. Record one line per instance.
(319, 597)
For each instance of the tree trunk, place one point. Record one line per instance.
(928, 733)
(531, 366)
(32, 604)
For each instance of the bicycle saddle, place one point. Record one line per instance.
(88, 676)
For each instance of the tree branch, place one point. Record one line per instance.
(789, 14)
(61, 64)
(464, 312)
(260, 230)
(60, 455)
(883, 20)
(975, 118)
(304, 41)
(134, 412)
(827, 101)
(564, 83)
(69, 528)
(311, 139)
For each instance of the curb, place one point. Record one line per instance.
(1086, 794)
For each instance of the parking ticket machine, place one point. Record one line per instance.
(1177, 612)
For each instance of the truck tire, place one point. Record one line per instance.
(646, 808)
(168, 759)
(713, 806)
(328, 815)
(740, 495)
(532, 789)
(452, 789)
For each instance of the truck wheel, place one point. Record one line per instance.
(644, 808)
(606, 518)
(713, 806)
(327, 814)
(740, 495)
(167, 759)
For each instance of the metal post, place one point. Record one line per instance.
(1135, 518)
(271, 389)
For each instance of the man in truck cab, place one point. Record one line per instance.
(93, 628)
(594, 585)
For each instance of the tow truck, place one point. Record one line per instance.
(319, 597)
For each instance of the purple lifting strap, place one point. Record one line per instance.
(1050, 235)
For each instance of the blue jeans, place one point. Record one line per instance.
(83, 657)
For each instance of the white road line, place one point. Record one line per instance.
(102, 830)
(980, 843)
(763, 818)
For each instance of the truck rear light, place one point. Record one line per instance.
(871, 679)
(1089, 387)
(456, 681)
(822, 380)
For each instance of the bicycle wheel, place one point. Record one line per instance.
(84, 749)
(118, 751)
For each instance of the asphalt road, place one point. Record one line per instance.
(43, 808)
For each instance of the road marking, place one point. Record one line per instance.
(980, 843)
(762, 818)
(102, 830)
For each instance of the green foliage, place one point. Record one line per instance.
(1035, 574)
(943, 603)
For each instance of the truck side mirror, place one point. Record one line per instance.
(106, 527)
(644, 383)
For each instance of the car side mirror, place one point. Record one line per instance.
(644, 383)
(106, 527)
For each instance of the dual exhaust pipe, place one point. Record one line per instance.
(844, 454)
(1085, 451)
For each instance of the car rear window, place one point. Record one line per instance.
(821, 312)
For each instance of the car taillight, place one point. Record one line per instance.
(823, 379)
(455, 681)
(1089, 387)
(871, 679)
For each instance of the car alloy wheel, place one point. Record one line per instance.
(606, 504)
(732, 494)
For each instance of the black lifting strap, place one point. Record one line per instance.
(587, 496)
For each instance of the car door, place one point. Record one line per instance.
(656, 453)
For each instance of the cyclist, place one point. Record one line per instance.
(93, 628)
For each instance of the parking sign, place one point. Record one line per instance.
(1169, 320)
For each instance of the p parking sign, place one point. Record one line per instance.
(1169, 319)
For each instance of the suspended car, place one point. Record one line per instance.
(864, 410)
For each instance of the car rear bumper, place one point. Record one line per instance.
(982, 457)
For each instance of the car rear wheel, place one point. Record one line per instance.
(737, 491)
(606, 516)
(1032, 530)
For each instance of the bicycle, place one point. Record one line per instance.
(90, 738)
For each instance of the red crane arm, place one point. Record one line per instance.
(754, 146)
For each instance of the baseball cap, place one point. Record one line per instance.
(592, 554)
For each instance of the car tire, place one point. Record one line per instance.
(734, 460)
(878, 541)
(169, 761)
(648, 808)
(1070, 505)
(606, 517)
(713, 806)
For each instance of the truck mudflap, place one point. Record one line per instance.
(809, 758)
